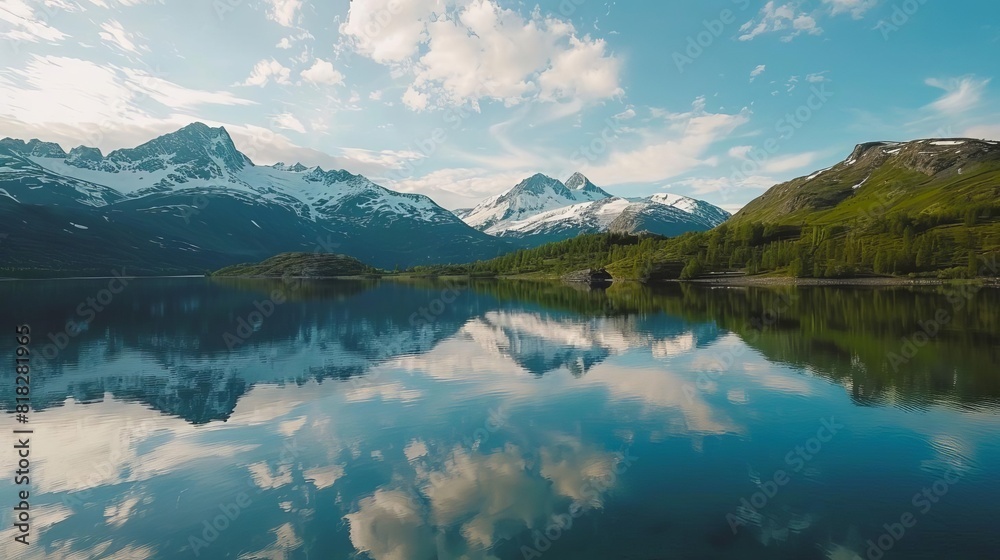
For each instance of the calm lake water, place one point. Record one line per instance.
(199, 418)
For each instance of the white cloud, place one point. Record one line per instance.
(785, 18)
(757, 72)
(789, 163)
(961, 94)
(175, 96)
(669, 152)
(583, 72)
(415, 100)
(375, 95)
(114, 33)
(388, 36)
(460, 187)
(856, 8)
(266, 71)
(817, 77)
(284, 12)
(284, 43)
(288, 122)
(22, 23)
(781, 164)
(460, 52)
(986, 131)
(625, 115)
(67, 93)
(322, 72)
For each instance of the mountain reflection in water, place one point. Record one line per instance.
(420, 419)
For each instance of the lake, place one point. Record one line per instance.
(410, 420)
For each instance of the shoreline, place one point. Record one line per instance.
(788, 281)
(732, 281)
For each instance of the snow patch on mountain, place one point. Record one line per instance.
(533, 196)
(201, 160)
(591, 216)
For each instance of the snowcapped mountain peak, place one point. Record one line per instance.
(534, 195)
(211, 149)
(34, 148)
(85, 156)
(579, 182)
(544, 209)
(677, 201)
(297, 168)
(537, 184)
(711, 214)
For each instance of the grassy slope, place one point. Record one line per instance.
(944, 198)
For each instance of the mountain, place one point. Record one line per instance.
(923, 177)
(923, 209)
(541, 209)
(190, 201)
(530, 197)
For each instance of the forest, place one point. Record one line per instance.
(943, 245)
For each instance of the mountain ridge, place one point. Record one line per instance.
(542, 209)
(201, 203)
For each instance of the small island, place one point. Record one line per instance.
(303, 265)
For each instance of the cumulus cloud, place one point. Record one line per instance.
(461, 52)
(675, 148)
(482, 498)
(322, 72)
(961, 94)
(757, 72)
(283, 12)
(857, 8)
(267, 71)
(288, 122)
(786, 18)
(388, 526)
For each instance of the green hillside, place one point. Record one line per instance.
(928, 208)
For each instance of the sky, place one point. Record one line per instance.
(462, 99)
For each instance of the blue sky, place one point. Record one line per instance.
(460, 99)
